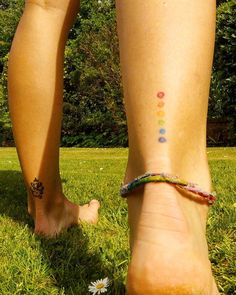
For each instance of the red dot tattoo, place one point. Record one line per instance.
(160, 94)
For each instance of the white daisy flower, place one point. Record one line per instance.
(98, 287)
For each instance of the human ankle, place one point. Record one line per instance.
(138, 165)
(196, 170)
(50, 203)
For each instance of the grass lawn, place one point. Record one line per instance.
(66, 265)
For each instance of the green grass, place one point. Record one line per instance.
(66, 265)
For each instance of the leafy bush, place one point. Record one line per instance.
(5, 122)
(92, 80)
(222, 101)
(10, 12)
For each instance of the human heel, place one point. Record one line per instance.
(169, 247)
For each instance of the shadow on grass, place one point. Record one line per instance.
(74, 266)
(13, 197)
(71, 263)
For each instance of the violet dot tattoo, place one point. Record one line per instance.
(161, 117)
(37, 188)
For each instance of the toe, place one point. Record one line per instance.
(89, 212)
(94, 204)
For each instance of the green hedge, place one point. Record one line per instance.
(93, 109)
(10, 11)
(222, 96)
(222, 101)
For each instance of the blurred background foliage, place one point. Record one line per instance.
(93, 99)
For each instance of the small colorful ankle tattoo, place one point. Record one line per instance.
(161, 113)
(37, 188)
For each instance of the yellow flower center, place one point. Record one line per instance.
(100, 286)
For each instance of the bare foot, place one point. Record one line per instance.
(62, 215)
(168, 243)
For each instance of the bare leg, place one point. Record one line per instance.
(166, 50)
(35, 99)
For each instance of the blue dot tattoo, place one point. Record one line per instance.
(162, 131)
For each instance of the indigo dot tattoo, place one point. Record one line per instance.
(162, 139)
(37, 188)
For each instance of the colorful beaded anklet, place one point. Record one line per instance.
(171, 179)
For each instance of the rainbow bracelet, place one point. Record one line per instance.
(171, 179)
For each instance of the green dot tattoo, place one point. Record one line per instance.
(161, 122)
(37, 188)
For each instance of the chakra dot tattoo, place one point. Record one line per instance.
(161, 114)
(162, 139)
(161, 122)
(37, 188)
(162, 131)
(160, 94)
(161, 104)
